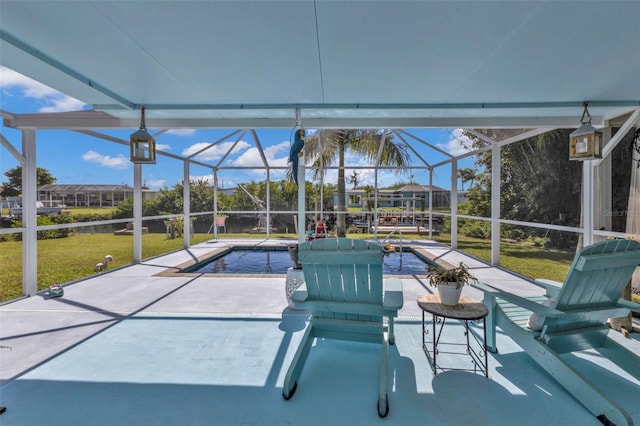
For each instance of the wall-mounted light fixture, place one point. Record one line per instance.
(142, 144)
(585, 143)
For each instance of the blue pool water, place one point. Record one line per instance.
(274, 261)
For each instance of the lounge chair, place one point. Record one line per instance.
(343, 291)
(572, 317)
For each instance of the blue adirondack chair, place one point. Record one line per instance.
(572, 317)
(344, 293)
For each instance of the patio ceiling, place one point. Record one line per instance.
(377, 63)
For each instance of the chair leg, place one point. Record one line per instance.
(392, 336)
(293, 374)
(383, 402)
(490, 303)
(577, 384)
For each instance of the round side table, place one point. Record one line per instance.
(467, 310)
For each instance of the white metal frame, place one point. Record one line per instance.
(83, 122)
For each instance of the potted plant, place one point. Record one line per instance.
(449, 282)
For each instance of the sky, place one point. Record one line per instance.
(75, 158)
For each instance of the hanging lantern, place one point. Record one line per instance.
(142, 144)
(585, 143)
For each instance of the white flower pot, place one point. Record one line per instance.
(449, 294)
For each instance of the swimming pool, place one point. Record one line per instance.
(275, 260)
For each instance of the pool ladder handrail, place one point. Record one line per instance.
(391, 233)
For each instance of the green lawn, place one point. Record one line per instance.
(68, 259)
(90, 210)
(522, 257)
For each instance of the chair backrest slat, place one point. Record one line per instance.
(597, 278)
(342, 270)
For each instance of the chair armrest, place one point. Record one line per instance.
(553, 287)
(517, 300)
(629, 305)
(393, 298)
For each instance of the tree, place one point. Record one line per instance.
(13, 187)
(538, 183)
(467, 175)
(354, 180)
(326, 146)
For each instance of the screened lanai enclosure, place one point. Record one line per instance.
(252, 73)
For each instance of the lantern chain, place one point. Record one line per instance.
(585, 113)
(635, 146)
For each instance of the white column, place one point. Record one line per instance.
(268, 191)
(137, 213)
(454, 203)
(29, 214)
(602, 188)
(587, 202)
(186, 218)
(301, 200)
(375, 205)
(495, 204)
(215, 202)
(430, 203)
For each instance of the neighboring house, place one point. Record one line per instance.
(89, 195)
(229, 191)
(412, 196)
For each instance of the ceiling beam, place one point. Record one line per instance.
(82, 120)
(381, 106)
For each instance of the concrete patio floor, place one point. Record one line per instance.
(130, 347)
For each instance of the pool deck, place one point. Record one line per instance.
(138, 345)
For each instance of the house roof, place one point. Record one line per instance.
(377, 63)
(84, 188)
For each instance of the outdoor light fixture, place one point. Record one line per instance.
(142, 144)
(585, 143)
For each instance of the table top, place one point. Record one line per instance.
(467, 309)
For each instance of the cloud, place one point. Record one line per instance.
(207, 178)
(216, 152)
(119, 162)
(51, 100)
(182, 132)
(251, 157)
(155, 183)
(457, 143)
(163, 147)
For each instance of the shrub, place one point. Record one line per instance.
(512, 233)
(540, 241)
(476, 229)
(49, 234)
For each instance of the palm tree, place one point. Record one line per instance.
(467, 175)
(326, 146)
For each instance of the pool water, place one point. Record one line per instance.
(252, 261)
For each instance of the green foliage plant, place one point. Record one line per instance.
(457, 274)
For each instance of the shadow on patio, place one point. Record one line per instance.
(132, 348)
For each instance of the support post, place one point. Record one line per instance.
(137, 213)
(186, 195)
(301, 200)
(375, 204)
(268, 206)
(602, 188)
(215, 202)
(495, 204)
(430, 203)
(454, 203)
(29, 214)
(587, 202)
